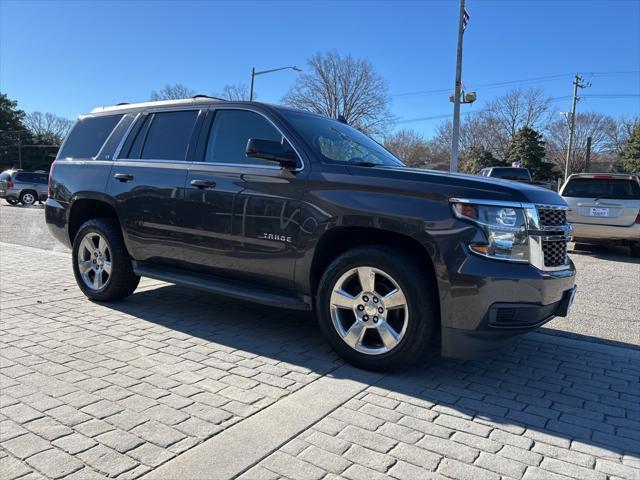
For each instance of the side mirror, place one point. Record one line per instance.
(272, 151)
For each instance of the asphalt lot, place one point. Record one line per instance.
(605, 308)
(174, 383)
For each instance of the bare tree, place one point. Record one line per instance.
(172, 92)
(344, 86)
(619, 132)
(47, 126)
(588, 124)
(235, 92)
(410, 147)
(505, 115)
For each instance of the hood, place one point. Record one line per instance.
(464, 185)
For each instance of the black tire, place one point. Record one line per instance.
(420, 293)
(11, 201)
(28, 197)
(121, 282)
(635, 249)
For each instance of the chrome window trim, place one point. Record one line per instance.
(97, 155)
(116, 154)
(268, 167)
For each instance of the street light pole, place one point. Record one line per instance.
(458, 87)
(254, 74)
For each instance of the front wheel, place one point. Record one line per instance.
(377, 308)
(101, 263)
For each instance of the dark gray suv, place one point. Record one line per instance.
(27, 188)
(292, 209)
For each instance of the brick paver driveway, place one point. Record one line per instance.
(152, 385)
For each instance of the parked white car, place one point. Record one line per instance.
(604, 208)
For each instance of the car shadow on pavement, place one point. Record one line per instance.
(562, 395)
(604, 252)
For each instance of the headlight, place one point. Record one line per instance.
(505, 230)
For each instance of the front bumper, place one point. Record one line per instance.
(590, 231)
(492, 303)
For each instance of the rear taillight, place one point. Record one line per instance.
(638, 218)
(9, 183)
(49, 181)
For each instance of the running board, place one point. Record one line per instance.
(220, 286)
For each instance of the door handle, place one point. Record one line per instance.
(202, 184)
(123, 177)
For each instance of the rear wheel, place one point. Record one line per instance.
(101, 263)
(12, 201)
(28, 198)
(377, 308)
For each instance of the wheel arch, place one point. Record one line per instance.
(338, 240)
(85, 208)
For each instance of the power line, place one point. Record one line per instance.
(446, 115)
(516, 82)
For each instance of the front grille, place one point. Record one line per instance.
(555, 252)
(552, 217)
(552, 237)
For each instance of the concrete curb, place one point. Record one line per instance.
(241, 446)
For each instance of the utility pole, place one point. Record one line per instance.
(587, 159)
(462, 23)
(577, 83)
(19, 151)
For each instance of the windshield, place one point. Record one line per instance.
(336, 142)
(511, 173)
(602, 188)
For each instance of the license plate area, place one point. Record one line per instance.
(599, 212)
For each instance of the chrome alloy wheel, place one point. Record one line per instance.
(94, 261)
(369, 310)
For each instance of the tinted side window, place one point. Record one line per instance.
(25, 177)
(88, 136)
(136, 147)
(169, 135)
(230, 132)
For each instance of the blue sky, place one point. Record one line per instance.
(67, 57)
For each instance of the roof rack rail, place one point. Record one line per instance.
(122, 103)
(201, 95)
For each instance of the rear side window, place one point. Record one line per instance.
(87, 136)
(618, 188)
(29, 177)
(230, 132)
(164, 136)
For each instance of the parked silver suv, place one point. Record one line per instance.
(604, 208)
(18, 186)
